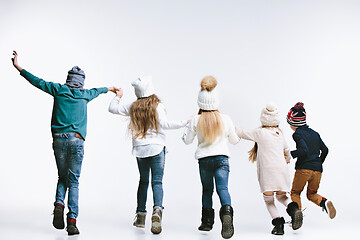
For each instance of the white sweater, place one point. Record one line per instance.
(219, 146)
(153, 142)
(272, 172)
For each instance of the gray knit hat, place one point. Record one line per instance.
(75, 78)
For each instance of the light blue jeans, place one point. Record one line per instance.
(214, 167)
(69, 153)
(156, 164)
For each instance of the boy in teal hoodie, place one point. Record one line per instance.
(68, 127)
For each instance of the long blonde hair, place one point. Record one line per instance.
(143, 116)
(210, 125)
(253, 151)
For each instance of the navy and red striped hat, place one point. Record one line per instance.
(297, 115)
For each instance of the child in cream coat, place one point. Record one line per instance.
(271, 154)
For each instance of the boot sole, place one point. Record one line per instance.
(58, 221)
(331, 209)
(205, 229)
(298, 220)
(155, 224)
(227, 230)
(139, 226)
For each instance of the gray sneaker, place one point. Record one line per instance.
(139, 220)
(156, 220)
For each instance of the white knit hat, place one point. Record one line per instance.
(270, 116)
(207, 98)
(143, 87)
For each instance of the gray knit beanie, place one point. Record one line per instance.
(75, 78)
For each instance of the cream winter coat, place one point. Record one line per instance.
(272, 172)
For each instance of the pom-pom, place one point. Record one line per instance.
(271, 107)
(208, 83)
(299, 106)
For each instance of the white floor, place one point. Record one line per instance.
(35, 223)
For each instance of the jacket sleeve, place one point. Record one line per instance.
(301, 147)
(324, 150)
(48, 87)
(190, 132)
(95, 92)
(116, 107)
(165, 123)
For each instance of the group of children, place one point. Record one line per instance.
(148, 122)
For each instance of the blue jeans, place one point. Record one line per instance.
(69, 153)
(214, 167)
(156, 164)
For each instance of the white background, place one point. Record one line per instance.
(260, 51)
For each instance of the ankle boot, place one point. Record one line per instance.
(207, 219)
(226, 217)
(296, 215)
(140, 220)
(156, 220)
(71, 227)
(58, 220)
(278, 226)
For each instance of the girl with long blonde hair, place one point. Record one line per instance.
(147, 124)
(271, 153)
(213, 130)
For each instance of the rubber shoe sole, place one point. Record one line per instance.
(331, 209)
(204, 227)
(298, 220)
(227, 230)
(58, 220)
(139, 225)
(155, 224)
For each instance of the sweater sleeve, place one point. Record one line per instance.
(165, 123)
(324, 150)
(232, 136)
(190, 132)
(116, 107)
(48, 87)
(95, 92)
(301, 147)
(287, 154)
(252, 135)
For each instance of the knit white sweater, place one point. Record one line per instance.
(219, 146)
(272, 155)
(156, 141)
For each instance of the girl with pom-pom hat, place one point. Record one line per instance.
(310, 153)
(271, 154)
(213, 130)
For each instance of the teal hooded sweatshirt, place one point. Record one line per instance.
(70, 105)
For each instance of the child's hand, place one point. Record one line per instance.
(15, 61)
(119, 93)
(113, 89)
